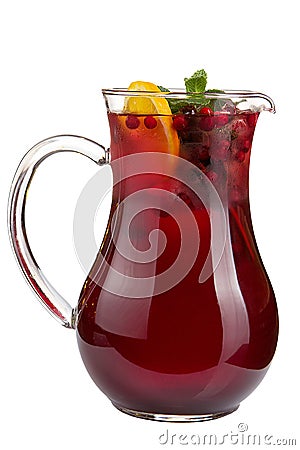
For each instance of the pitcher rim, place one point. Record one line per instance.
(178, 93)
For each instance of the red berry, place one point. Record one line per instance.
(240, 156)
(206, 111)
(132, 122)
(180, 122)
(206, 123)
(221, 119)
(203, 154)
(150, 122)
(246, 145)
(212, 176)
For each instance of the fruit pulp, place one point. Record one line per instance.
(197, 348)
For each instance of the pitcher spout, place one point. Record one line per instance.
(267, 105)
(246, 100)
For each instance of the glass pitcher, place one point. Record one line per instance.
(177, 318)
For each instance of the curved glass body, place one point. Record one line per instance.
(196, 342)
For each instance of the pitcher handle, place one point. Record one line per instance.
(55, 304)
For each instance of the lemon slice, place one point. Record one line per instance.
(151, 105)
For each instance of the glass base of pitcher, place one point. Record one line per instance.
(175, 417)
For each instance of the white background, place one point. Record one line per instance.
(55, 58)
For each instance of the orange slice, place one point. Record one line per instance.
(159, 107)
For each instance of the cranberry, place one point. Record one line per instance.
(203, 154)
(180, 122)
(206, 123)
(150, 122)
(132, 122)
(221, 119)
(240, 156)
(212, 176)
(206, 111)
(246, 145)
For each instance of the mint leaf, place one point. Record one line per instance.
(163, 89)
(199, 100)
(197, 82)
(217, 91)
(195, 85)
(177, 104)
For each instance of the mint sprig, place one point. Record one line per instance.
(197, 82)
(195, 85)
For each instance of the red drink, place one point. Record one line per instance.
(197, 348)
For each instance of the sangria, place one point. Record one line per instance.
(197, 349)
